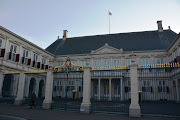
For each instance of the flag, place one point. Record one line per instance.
(110, 13)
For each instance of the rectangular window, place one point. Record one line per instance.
(25, 56)
(162, 86)
(12, 54)
(106, 63)
(116, 62)
(145, 61)
(146, 86)
(128, 62)
(97, 63)
(160, 61)
(35, 60)
(83, 63)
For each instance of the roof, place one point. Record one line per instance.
(134, 41)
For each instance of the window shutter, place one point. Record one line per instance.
(38, 64)
(29, 62)
(2, 52)
(17, 57)
(10, 55)
(46, 66)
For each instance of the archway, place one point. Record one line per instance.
(32, 86)
(7, 85)
(41, 88)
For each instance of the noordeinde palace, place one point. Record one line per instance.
(134, 73)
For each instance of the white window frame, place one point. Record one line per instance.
(97, 63)
(128, 62)
(26, 56)
(159, 59)
(116, 62)
(145, 61)
(147, 86)
(13, 50)
(106, 62)
(162, 85)
(35, 58)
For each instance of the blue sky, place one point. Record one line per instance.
(41, 21)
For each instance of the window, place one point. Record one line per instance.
(70, 85)
(25, 56)
(97, 63)
(106, 63)
(59, 85)
(116, 62)
(83, 63)
(117, 88)
(12, 55)
(43, 63)
(127, 86)
(146, 86)
(159, 60)
(35, 59)
(128, 62)
(145, 61)
(162, 86)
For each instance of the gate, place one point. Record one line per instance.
(159, 90)
(110, 90)
(68, 86)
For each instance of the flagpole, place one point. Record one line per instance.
(109, 21)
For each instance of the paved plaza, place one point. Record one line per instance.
(12, 112)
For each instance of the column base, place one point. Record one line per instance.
(46, 104)
(134, 111)
(85, 108)
(19, 101)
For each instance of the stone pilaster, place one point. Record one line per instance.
(48, 90)
(20, 94)
(134, 108)
(86, 104)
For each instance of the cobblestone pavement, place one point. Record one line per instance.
(12, 112)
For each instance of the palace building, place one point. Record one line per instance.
(106, 60)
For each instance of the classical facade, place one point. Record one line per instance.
(108, 68)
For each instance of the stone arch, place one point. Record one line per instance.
(32, 86)
(41, 88)
(7, 85)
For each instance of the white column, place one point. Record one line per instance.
(86, 104)
(1, 82)
(121, 89)
(99, 88)
(110, 89)
(20, 94)
(48, 90)
(134, 108)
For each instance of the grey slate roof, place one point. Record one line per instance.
(134, 41)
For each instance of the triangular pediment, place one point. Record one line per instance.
(106, 49)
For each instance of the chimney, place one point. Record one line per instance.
(169, 27)
(65, 32)
(159, 24)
